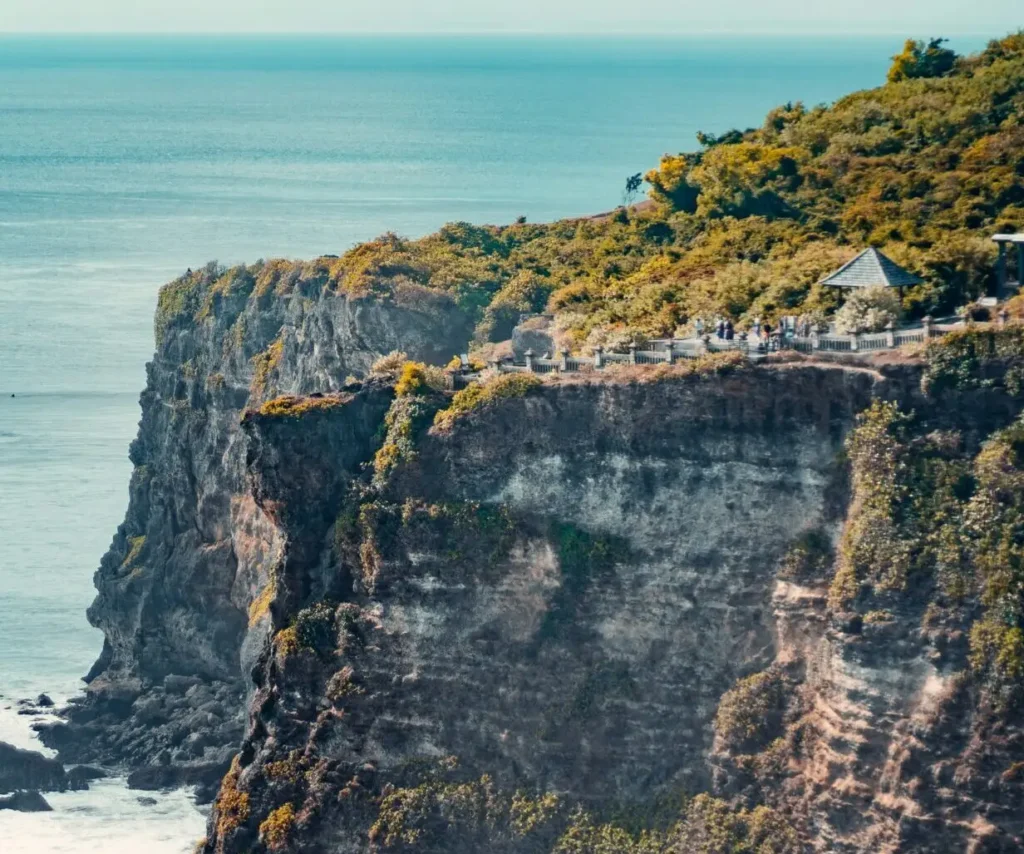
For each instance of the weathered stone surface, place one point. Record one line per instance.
(192, 553)
(25, 802)
(26, 769)
(595, 675)
(580, 640)
(81, 776)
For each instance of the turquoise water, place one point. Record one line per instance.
(125, 160)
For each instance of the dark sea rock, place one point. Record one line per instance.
(26, 769)
(81, 776)
(146, 802)
(44, 702)
(205, 776)
(25, 802)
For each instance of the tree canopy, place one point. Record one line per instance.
(920, 59)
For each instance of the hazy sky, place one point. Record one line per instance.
(916, 17)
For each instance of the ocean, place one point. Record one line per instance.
(124, 160)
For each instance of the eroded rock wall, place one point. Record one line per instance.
(176, 586)
(557, 591)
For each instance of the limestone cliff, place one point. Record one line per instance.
(175, 588)
(518, 637)
(696, 608)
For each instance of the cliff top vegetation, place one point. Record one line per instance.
(926, 166)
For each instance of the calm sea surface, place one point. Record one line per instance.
(125, 160)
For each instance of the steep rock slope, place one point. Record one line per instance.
(556, 591)
(182, 571)
(564, 612)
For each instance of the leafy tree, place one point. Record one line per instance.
(670, 184)
(919, 59)
(709, 140)
(746, 179)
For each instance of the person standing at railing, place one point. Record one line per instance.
(720, 329)
(729, 331)
(698, 326)
(756, 329)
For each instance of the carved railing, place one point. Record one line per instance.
(671, 350)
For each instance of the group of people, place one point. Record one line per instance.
(764, 334)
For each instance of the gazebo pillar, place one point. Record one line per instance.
(1001, 271)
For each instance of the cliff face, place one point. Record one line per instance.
(544, 622)
(175, 588)
(557, 592)
(555, 595)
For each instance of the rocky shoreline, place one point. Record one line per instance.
(182, 733)
(26, 774)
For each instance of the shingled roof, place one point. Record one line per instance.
(871, 269)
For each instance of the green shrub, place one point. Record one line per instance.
(260, 606)
(478, 395)
(315, 628)
(872, 548)
(808, 557)
(974, 358)
(275, 828)
(389, 366)
(135, 546)
(264, 364)
(290, 406)
(920, 59)
(750, 713)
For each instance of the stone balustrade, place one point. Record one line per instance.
(671, 350)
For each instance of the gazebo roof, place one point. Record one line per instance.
(871, 269)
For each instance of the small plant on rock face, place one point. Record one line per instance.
(390, 365)
(286, 641)
(749, 713)
(232, 805)
(315, 628)
(290, 406)
(807, 558)
(872, 548)
(135, 545)
(275, 828)
(264, 364)
(418, 378)
(260, 606)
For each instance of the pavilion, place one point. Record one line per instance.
(1002, 277)
(871, 269)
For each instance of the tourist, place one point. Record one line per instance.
(729, 331)
(698, 326)
(720, 328)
